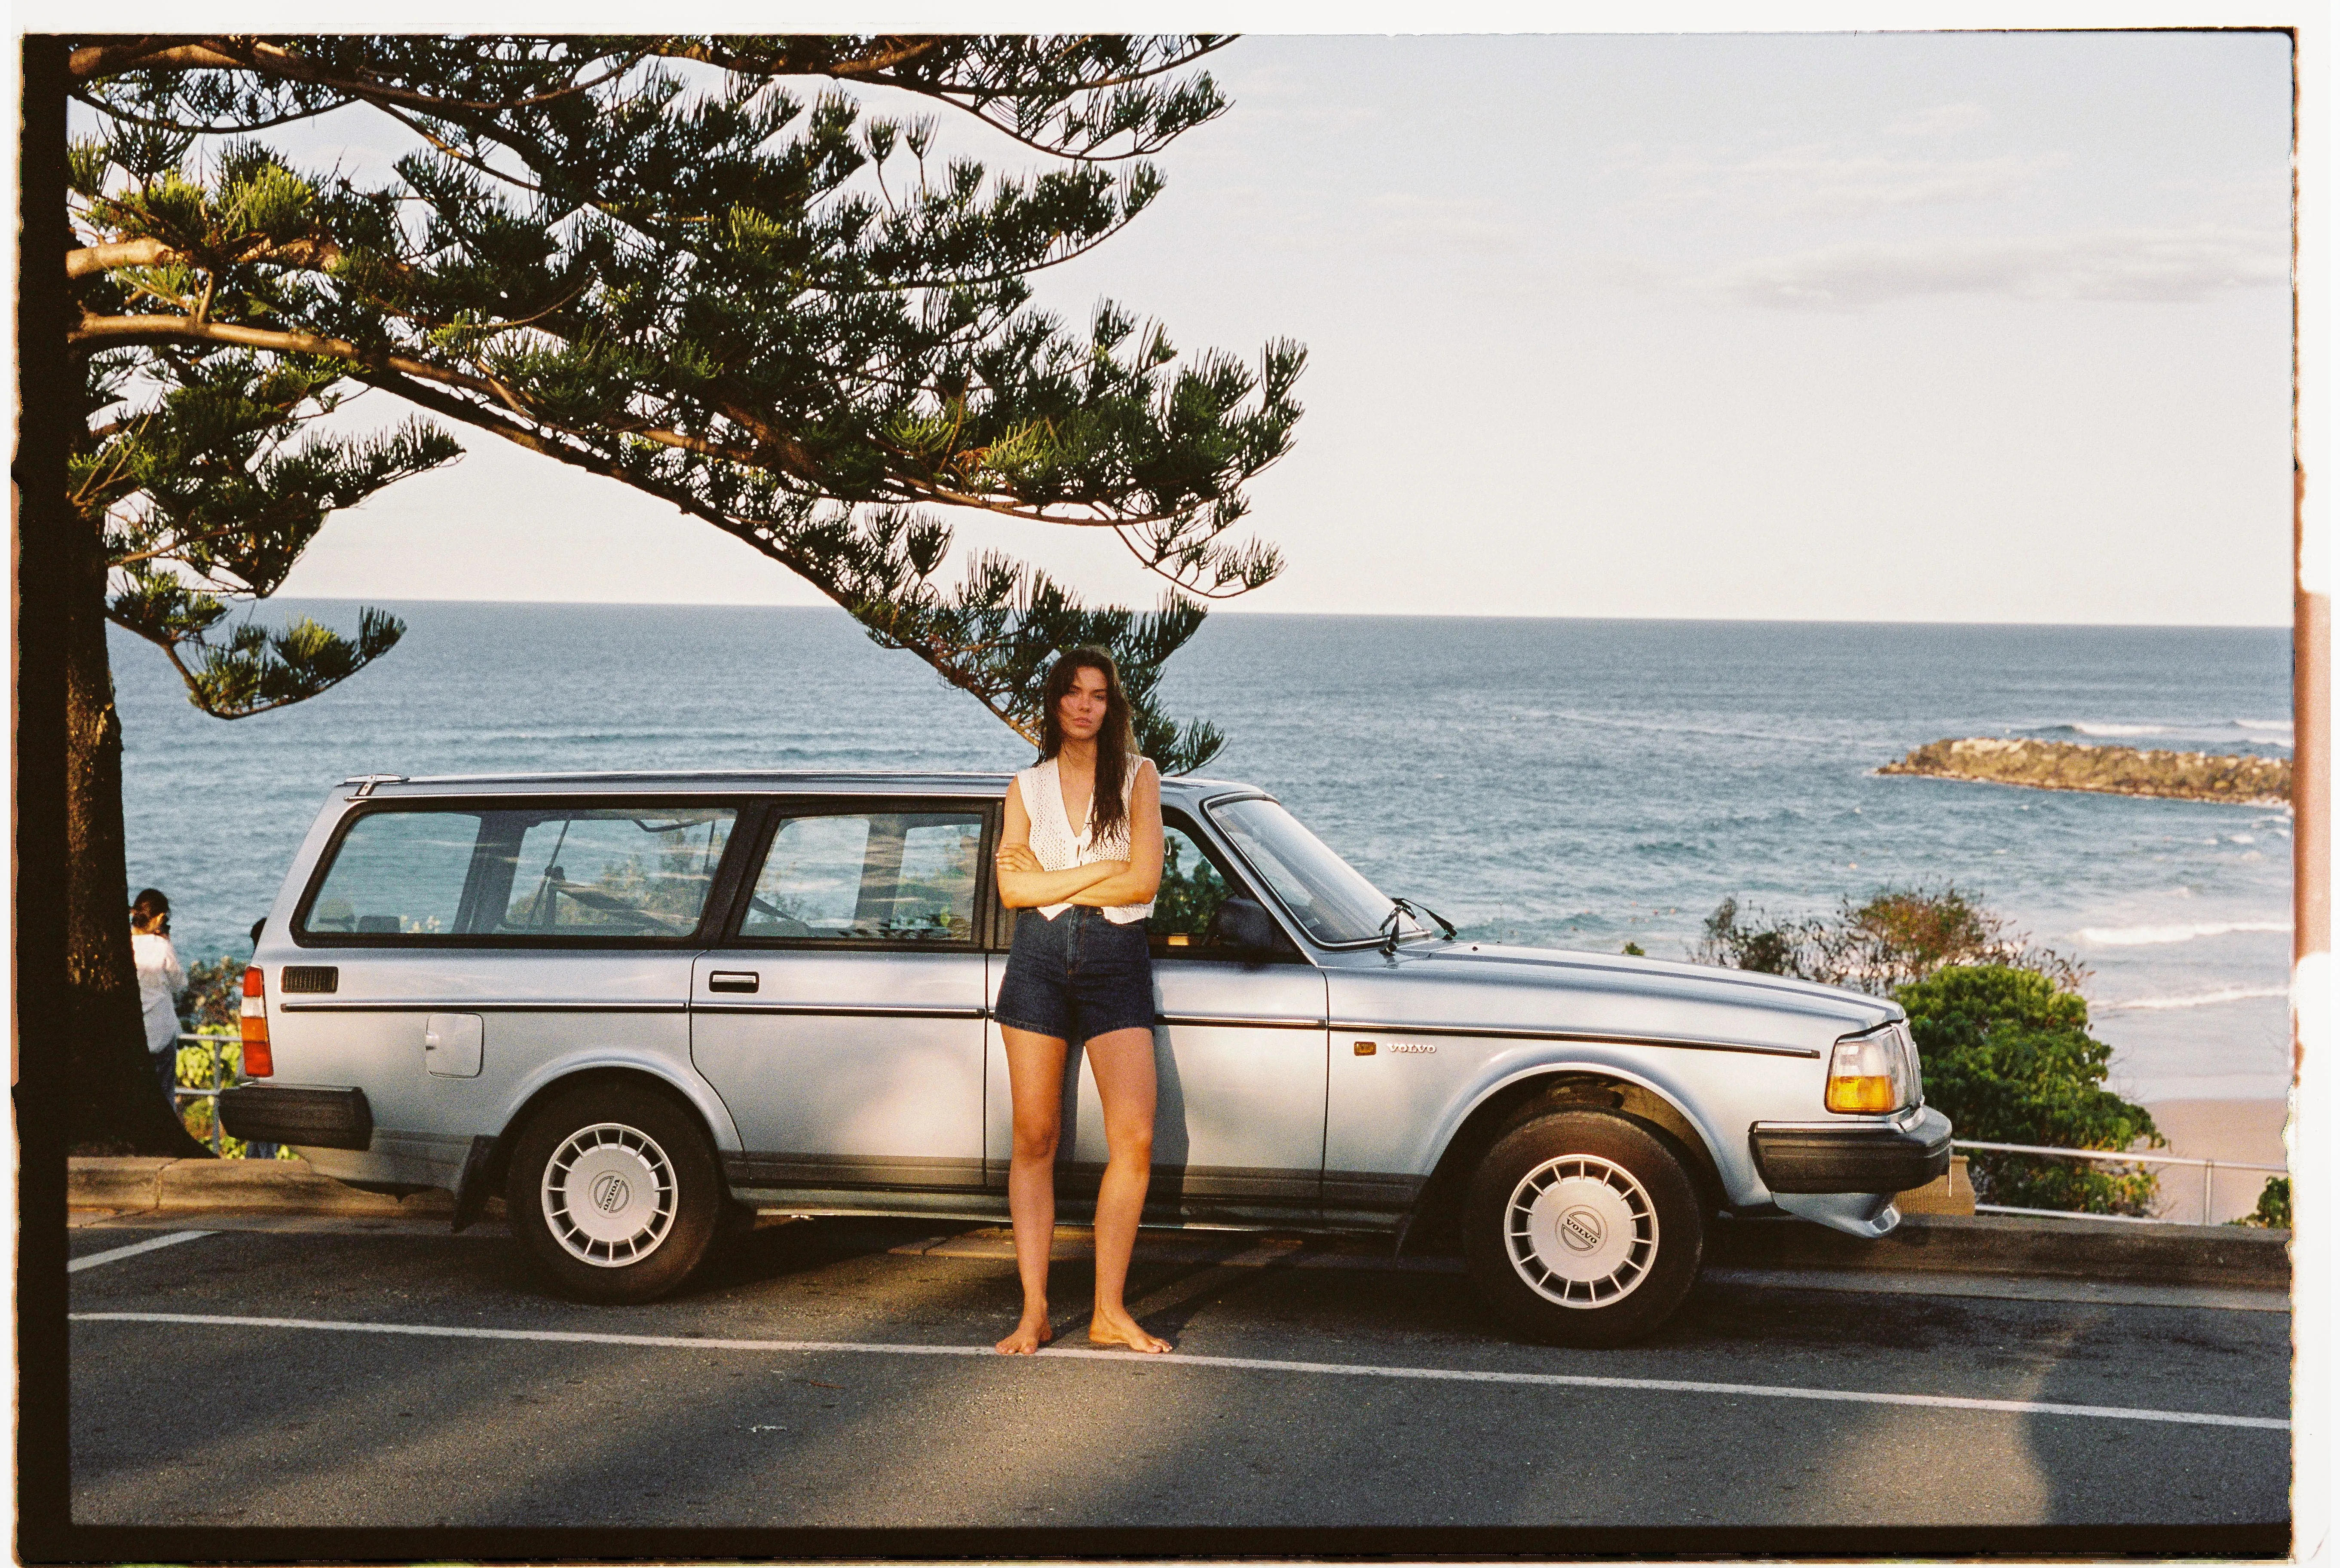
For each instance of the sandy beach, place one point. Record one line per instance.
(2247, 1130)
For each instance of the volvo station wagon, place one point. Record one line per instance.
(641, 1008)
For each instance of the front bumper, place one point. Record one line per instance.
(1872, 1157)
(311, 1118)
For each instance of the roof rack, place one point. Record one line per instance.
(365, 783)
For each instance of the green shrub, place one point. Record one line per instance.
(211, 1004)
(1188, 896)
(1899, 935)
(2274, 1210)
(2008, 1057)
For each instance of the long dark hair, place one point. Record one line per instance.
(1116, 744)
(148, 906)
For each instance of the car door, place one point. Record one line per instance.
(1239, 1044)
(841, 1019)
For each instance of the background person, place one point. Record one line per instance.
(1079, 970)
(160, 981)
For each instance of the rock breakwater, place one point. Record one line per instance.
(2105, 770)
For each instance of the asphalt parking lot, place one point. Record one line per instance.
(835, 1374)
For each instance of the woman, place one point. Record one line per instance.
(1079, 970)
(160, 981)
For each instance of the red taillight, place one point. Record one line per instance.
(257, 1061)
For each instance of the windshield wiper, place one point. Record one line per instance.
(1399, 906)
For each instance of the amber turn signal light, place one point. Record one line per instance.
(1862, 1076)
(258, 1061)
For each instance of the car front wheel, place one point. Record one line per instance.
(1582, 1228)
(615, 1191)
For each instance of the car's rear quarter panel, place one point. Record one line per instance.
(546, 1014)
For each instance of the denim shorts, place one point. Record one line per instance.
(1077, 976)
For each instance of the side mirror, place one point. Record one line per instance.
(1244, 922)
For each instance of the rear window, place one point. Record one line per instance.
(637, 872)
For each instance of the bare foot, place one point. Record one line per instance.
(1121, 1328)
(1030, 1335)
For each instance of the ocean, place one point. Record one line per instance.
(1563, 783)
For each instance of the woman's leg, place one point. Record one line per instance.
(1123, 1063)
(1036, 1083)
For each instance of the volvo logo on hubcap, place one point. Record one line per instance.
(610, 1192)
(1580, 1229)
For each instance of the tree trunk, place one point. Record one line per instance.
(112, 1104)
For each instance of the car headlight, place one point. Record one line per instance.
(1873, 1073)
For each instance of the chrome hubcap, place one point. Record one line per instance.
(1581, 1230)
(609, 1195)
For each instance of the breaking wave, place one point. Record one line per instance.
(2198, 998)
(2143, 935)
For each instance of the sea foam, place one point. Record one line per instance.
(2141, 935)
(2198, 998)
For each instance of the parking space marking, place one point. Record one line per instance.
(133, 1250)
(1238, 1362)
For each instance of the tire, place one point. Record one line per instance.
(1583, 1228)
(616, 1192)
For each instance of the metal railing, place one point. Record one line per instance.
(183, 1093)
(2210, 1168)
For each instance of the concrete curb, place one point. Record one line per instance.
(2223, 1256)
(286, 1185)
(2227, 1257)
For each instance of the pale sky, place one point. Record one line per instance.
(1972, 327)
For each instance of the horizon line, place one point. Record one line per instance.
(1343, 615)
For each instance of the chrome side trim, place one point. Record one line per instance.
(474, 1004)
(1900, 1121)
(1216, 1020)
(817, 1010)
(1586, 1037)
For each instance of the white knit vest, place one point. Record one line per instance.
(1059, 847)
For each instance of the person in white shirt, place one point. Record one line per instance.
(1080, 973)
(160, 983)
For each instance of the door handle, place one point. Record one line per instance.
(732, 979)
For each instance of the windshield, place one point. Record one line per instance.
(1322, 891)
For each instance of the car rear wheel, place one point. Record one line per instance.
(1582, 1228)
(615, 1191)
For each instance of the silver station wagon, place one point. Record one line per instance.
(639, 1006)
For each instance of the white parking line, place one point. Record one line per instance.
(133, 1250)
(1244, 1362)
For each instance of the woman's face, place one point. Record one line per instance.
(1080, 712)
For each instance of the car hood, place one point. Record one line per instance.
(1469, 985)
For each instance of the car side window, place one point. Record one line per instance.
(634, 870)
(1192, 889)
(611, 873)
(869, 876)
(397, 873)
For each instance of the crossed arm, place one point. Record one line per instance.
(1098, 885)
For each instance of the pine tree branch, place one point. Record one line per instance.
(91, 261)
(930, 650)
(241, 128)
(247, 53)
(93, 334)
(184, 51)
